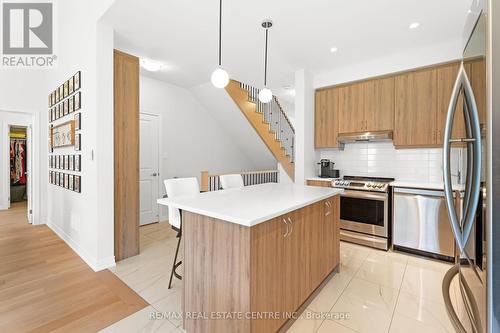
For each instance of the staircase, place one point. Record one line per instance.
(269, 121)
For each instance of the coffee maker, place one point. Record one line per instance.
(326, 169)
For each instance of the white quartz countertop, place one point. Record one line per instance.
(251, 205)
(425, 185)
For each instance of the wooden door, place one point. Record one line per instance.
(326, 118)
(331, 234)
(351, 108)
(296, 256)
(379, 104)
(314, 215)
(126, 155)
(267, 290)
(416, 109)
(446, 76)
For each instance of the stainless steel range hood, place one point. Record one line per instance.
(344, 138)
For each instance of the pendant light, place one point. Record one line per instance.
(265, 95)
(219, 77)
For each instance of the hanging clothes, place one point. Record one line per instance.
(17, 162)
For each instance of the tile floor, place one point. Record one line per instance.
(379, 291)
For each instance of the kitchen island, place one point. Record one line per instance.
(253, 256)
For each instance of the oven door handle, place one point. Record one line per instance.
(364, 195)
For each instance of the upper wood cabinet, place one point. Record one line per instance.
(446, 76)
(476, 71)
(351, 108)
(379, 104)
(416, 109)
(326, 118)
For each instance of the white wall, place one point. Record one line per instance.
(305, 155)
(85, 220)
(381, 159)
(191, 140)
(229, 117)
(393, 63)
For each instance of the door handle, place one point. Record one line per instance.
(286, 233)
(291, 224)
(154, 174)
(473, 182)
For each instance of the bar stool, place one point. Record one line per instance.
(178, 187)
(231, 181)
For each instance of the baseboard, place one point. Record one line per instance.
(96, 265)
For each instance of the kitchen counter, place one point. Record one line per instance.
(251, 205)
(260, 249)
(425, 185)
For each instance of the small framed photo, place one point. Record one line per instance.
(71, 182)
(71, 105)
(66, 89)
(71, 165)
(78, 184)
(78, 101)
(71, 86)
(77, 80)
(66, 107)
(78, 142)
(78, 163)
(78, 121)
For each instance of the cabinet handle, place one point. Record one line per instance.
(286, 233)
(291, 224)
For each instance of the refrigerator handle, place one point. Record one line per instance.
(448, 278)
(473, 140)
(448, 190)
(473, 156)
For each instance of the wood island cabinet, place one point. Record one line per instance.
(272, 267)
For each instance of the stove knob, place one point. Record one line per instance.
(380, 185)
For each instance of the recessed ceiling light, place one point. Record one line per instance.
(152, 65)
(414, 25)
(334, 49)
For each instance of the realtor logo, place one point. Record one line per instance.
(28, 34)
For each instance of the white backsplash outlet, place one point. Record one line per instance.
(381, 159)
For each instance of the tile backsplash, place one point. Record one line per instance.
(381, 159)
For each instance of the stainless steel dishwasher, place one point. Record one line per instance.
(420, 223)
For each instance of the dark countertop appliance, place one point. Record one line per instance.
(326, 169)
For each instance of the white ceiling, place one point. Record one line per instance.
(183, 34)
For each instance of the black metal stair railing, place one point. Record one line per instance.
(274, 115)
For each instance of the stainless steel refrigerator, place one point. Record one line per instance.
(474, 212)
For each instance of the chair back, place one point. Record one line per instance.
(178, 187)
(231, 181)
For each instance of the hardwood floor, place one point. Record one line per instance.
(46, 287)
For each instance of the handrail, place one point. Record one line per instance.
(211, 182)
(275, 117)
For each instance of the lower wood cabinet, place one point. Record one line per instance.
(322, 183)
(291, 256)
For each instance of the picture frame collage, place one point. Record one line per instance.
(66, 162)
(64, 101)
(66, 180)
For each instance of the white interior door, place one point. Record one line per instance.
(149, 168)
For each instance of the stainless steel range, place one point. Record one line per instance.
(365, 210)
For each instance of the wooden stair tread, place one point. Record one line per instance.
(248, 108)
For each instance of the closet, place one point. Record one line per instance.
(18, 158)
